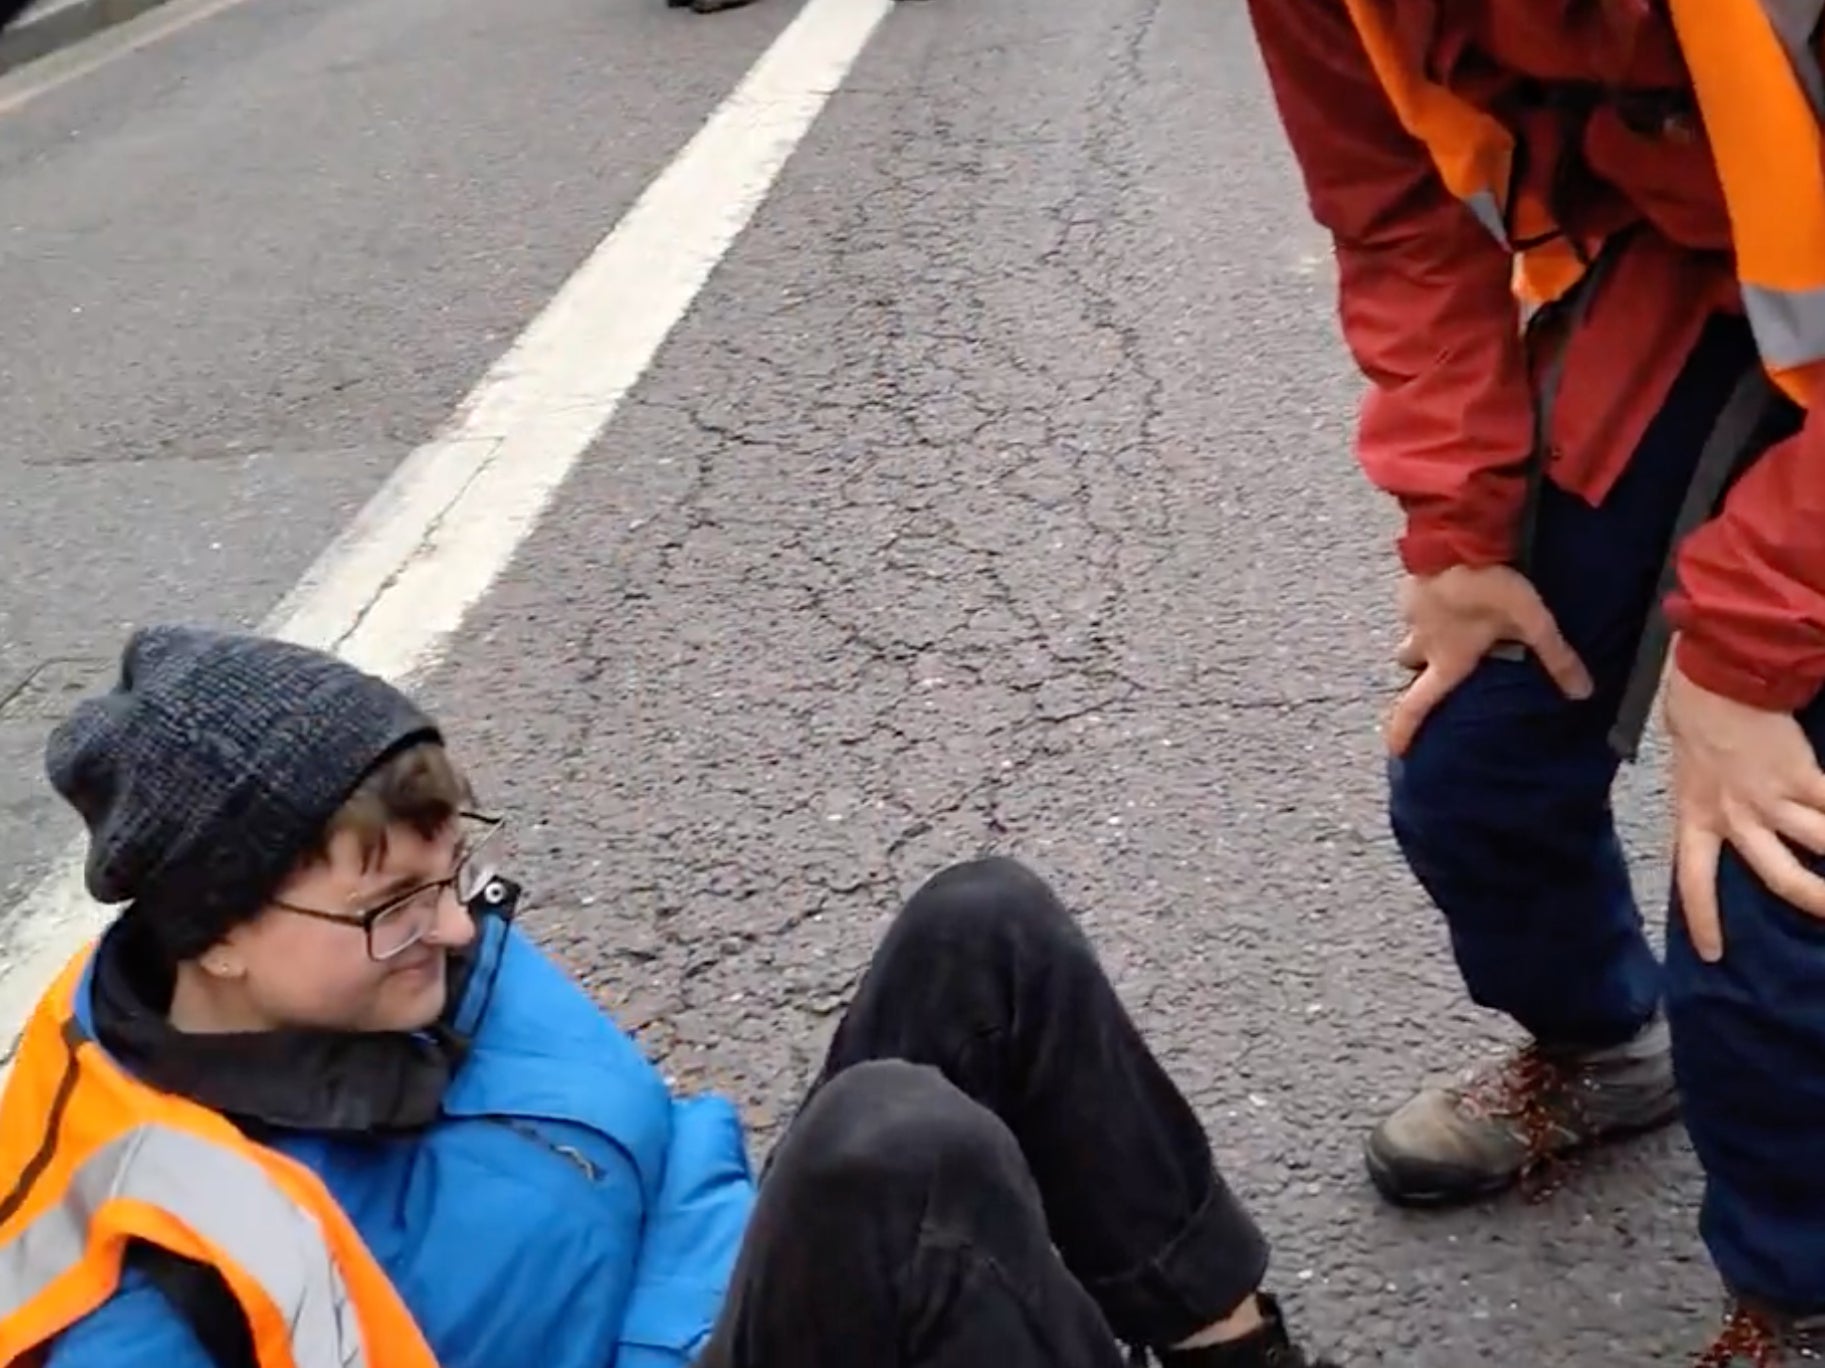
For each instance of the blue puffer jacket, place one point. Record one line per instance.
(568, 1212)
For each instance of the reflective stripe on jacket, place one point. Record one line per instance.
(565, 1210)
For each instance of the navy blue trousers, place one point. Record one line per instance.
(1502, 808)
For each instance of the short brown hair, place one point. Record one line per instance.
(419, 787)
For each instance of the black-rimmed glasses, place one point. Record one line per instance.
(399, 923)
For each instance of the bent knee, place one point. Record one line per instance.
(993, 898)
(1456, 753)
(1501, 746)
(886, 1124)
(1444, 808)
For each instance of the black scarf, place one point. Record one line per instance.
(325, 1081)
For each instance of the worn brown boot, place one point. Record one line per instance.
(1511, 1122)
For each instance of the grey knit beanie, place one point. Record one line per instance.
(212, 766)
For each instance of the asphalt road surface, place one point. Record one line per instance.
(995, 493)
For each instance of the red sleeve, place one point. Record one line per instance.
(1424, 297)
(1750, 609)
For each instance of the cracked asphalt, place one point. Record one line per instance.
(994, 495)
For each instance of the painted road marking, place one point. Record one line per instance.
(57, 69)
(388, 593)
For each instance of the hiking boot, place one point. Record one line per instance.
(1510, 1123)
(1755, 1338)
(1268, 1347)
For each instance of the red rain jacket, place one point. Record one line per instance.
(1426, 310)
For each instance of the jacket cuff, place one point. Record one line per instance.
(1713, 667)
(1432, 545)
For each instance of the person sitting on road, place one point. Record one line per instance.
(312, 1100)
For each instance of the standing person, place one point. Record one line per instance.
(313, 1102)
(1581, 254)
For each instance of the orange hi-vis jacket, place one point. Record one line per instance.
(1761, 96)
(91, 1159)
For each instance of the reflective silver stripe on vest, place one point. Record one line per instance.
(1789, 324)
(1488, 212)
(226, 1199)
(1795, 23)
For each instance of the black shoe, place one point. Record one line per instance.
(1268, 1347)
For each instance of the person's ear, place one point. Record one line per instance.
(223, 961)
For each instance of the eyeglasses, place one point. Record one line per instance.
(399, 923)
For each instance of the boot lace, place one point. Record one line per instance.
(1745, 1338)
(1534, 1094)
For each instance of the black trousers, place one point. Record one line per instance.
(992, 1169)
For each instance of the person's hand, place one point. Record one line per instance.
(1748, 777)
(1453, 620)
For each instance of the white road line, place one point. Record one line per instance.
(24, 84)
(390, 591)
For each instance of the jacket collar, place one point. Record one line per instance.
(287, 1080)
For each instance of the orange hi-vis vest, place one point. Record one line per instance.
(91, 1159)
(1761, 95)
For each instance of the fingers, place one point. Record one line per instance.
(1811, 791)
(1424, 694)
(1696, 859)
(1695, 868)
(1536, 628)
(1803, 825)
(1777, 867)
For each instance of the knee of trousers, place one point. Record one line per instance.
(984, 904)
(1438, 800)
(886, 1126)
(1472, 798)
